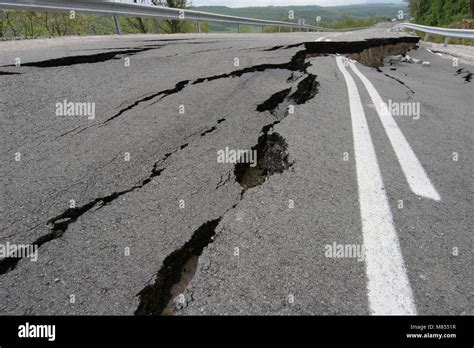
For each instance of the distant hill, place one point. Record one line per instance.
(329, 14)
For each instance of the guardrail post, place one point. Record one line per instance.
(279, 29)
(446, 41)
(291, 29)
(118, 30)
(427, 37)
(198, 27)
(238, 28)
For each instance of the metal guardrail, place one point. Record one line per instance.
(123, 8)
(446, 32)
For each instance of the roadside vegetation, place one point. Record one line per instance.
(27, 24)
(348, 21)
(443, 13)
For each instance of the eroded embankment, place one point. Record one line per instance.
(370, 52)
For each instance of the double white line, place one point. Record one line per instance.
(332, 35)
(416, 176)
(322, 38)
(389, 290)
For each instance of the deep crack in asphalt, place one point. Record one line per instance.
(180, 266)
(271, 150)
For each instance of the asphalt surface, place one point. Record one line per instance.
(268, 252)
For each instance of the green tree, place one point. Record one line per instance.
(439, 12)
(176, 26)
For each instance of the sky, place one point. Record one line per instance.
(248, 3)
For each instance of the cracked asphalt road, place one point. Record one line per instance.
(152, 205)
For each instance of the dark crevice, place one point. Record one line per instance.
(370, 52)
(467, 77)
(177, 88)
(201, 42)
(212, 129)
(153, 46)
(293, 46)
(271, 149)
(297, 63)
(281, 47)
(223, 181)
(272, 103)
(173, 276)
(67, 132)
(396, 79)
(85, 59)
(210, 50)
(306, 90)
(179, 267)
(349, 47)
(274, 48)
(60, 223)
(209, 131)
(9, 73)
(272, 157)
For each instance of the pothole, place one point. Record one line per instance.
(272, 157)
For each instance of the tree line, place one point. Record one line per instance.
(440, 12)
(39, 24)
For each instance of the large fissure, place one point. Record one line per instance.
(179, 267)
(271, 148)
(175, 273)
(370, 52)
(177, 270)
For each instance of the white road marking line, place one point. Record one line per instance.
(416, 176)
(325, 38)
(389, 290)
